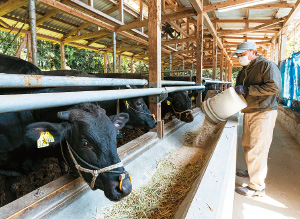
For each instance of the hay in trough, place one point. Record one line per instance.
(173, 179)
(160, 197)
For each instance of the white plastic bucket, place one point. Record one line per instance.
(222, 106)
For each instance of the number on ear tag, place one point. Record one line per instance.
(44, 139)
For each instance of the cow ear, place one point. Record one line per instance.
(119, 120)
(44, 134)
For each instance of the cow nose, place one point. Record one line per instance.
(126, 187)
(189, 117)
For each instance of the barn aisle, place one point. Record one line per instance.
(282, 198)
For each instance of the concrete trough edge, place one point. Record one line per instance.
(212, 193)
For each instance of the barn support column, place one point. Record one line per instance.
(62, 56)
(32, 18)
(229, 74)
(121, 11)
(29, 48)
(120, 64)
(114, 52)
(215, 55)
(221, 69)
(131, 64)
(105, 62)
(283, 44)
(272, 52)
(276, 52)
(226, 73)
(199, 54)
(141, 15)
(171, 73)
(154, 26)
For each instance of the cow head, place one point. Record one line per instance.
(139, 113)
(180, 103)
(90, 138)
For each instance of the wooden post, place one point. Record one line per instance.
(199, 54)
(105, 62)
(131, 64)
(272, 52)
(91, 3)
(283, 43)
(215, 55)
(121, 11)
(221, 68)
(229, 74)
(276, 52)
(120, 64)
(62, 56)
(29, 48)
(154, 27)
(141, 14)
(171, 58)
(226, 72)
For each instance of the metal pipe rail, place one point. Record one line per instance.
(19, 102)
(211, 81)
(25, 81)
(165, 82)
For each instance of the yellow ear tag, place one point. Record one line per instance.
(44, 139)
(192, 98)
(169, 102)
(127, 104)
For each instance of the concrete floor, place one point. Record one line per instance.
(282, 198)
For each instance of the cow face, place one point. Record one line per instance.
(180, 103)
(92, 137)
(139, 114)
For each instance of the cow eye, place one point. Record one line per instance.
(85, 142)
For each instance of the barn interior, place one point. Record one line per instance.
(174, 38)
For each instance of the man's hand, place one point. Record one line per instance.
(240, 89)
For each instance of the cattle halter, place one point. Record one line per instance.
(188, 111)
(96, 172)
(128, 106)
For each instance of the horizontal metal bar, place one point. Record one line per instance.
(165, 82)
(207, 81)
(13, 103)
(22, 81)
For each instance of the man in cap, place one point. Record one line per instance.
(259, 82)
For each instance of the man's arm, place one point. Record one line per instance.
(271, 82)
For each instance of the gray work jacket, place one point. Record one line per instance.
(263, 79)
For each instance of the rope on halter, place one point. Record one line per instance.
(188, 111)
(94, 173)
(128, 106)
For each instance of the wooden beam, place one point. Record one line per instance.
(295, 10)
(243, 38)
(178, 28)
(189, 39)
(215, 55)
(131, 64)
(86, 36)
(113, 9)
(46, 17)
(18, 53)
(11, 5)
(141, 15)
(184, 52)
(4, 24)
(138, 24)
(252, 29)
(105, 62)
(97, 39)
(77, 13)
(197, 5)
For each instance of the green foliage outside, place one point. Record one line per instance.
(293, 46)
(76, 59)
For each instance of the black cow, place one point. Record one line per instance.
(13, 65)
(179, 104)
(86, 136)
(167, 28)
